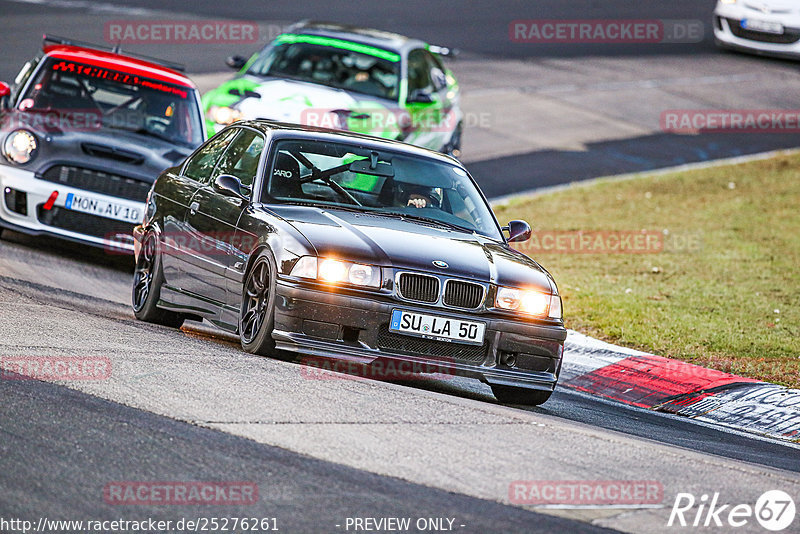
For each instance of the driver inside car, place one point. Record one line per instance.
(419, 197)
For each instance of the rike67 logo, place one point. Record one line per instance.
(774, 510)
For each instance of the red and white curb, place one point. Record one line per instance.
(667, 385)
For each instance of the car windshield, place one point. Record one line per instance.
(121, 100)
(394, 184)
(332, 62)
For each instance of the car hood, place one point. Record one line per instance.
(776, 5)
(114, 151)
(785, 11)
(404, 244)
(306, 103)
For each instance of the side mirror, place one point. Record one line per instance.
(518, 231)
(418, 96)
(5, 89)
(230, 186)
(236, 62)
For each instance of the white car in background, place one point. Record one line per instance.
(769, 27)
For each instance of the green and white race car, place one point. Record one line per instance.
(347, 78)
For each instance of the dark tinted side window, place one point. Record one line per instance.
(202, 163)
(419, 74)
(241, 158)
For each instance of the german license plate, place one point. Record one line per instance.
(96, 206)
(437, 328)
(762, 26)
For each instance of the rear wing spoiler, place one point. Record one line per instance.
(55, 39)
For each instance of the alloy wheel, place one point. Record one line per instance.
(256, 301)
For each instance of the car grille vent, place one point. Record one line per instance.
(97, 181)
(109, 152)
(419, 288)
(463, 294)
(174, 155)
(431, 349)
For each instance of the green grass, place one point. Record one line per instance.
(729, 301)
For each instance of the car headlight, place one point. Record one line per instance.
(528, 302)
(333, 271)
(20, 146)
(224, 114)
(727, 1)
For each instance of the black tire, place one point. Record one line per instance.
(522, 396)
(257, 313)
(146, 291)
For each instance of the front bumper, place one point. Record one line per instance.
(344, 327)
(729, 34)
(22, 196)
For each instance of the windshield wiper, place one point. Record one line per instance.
(431, 220)
(389, 214)
(323, 205)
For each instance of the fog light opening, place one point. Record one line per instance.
(350, 334)
(16, 201)
(508, 359)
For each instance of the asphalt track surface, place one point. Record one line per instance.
(99, 441)
(60, 446)
(565, 403)
(480, 27)
(474, 27)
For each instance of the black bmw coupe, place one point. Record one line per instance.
(347, 247)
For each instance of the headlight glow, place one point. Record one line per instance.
(528, 302)
(20, 146)
(534, 302)
(224, 114)
(334, 271)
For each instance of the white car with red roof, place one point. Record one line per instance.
(83, 133)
